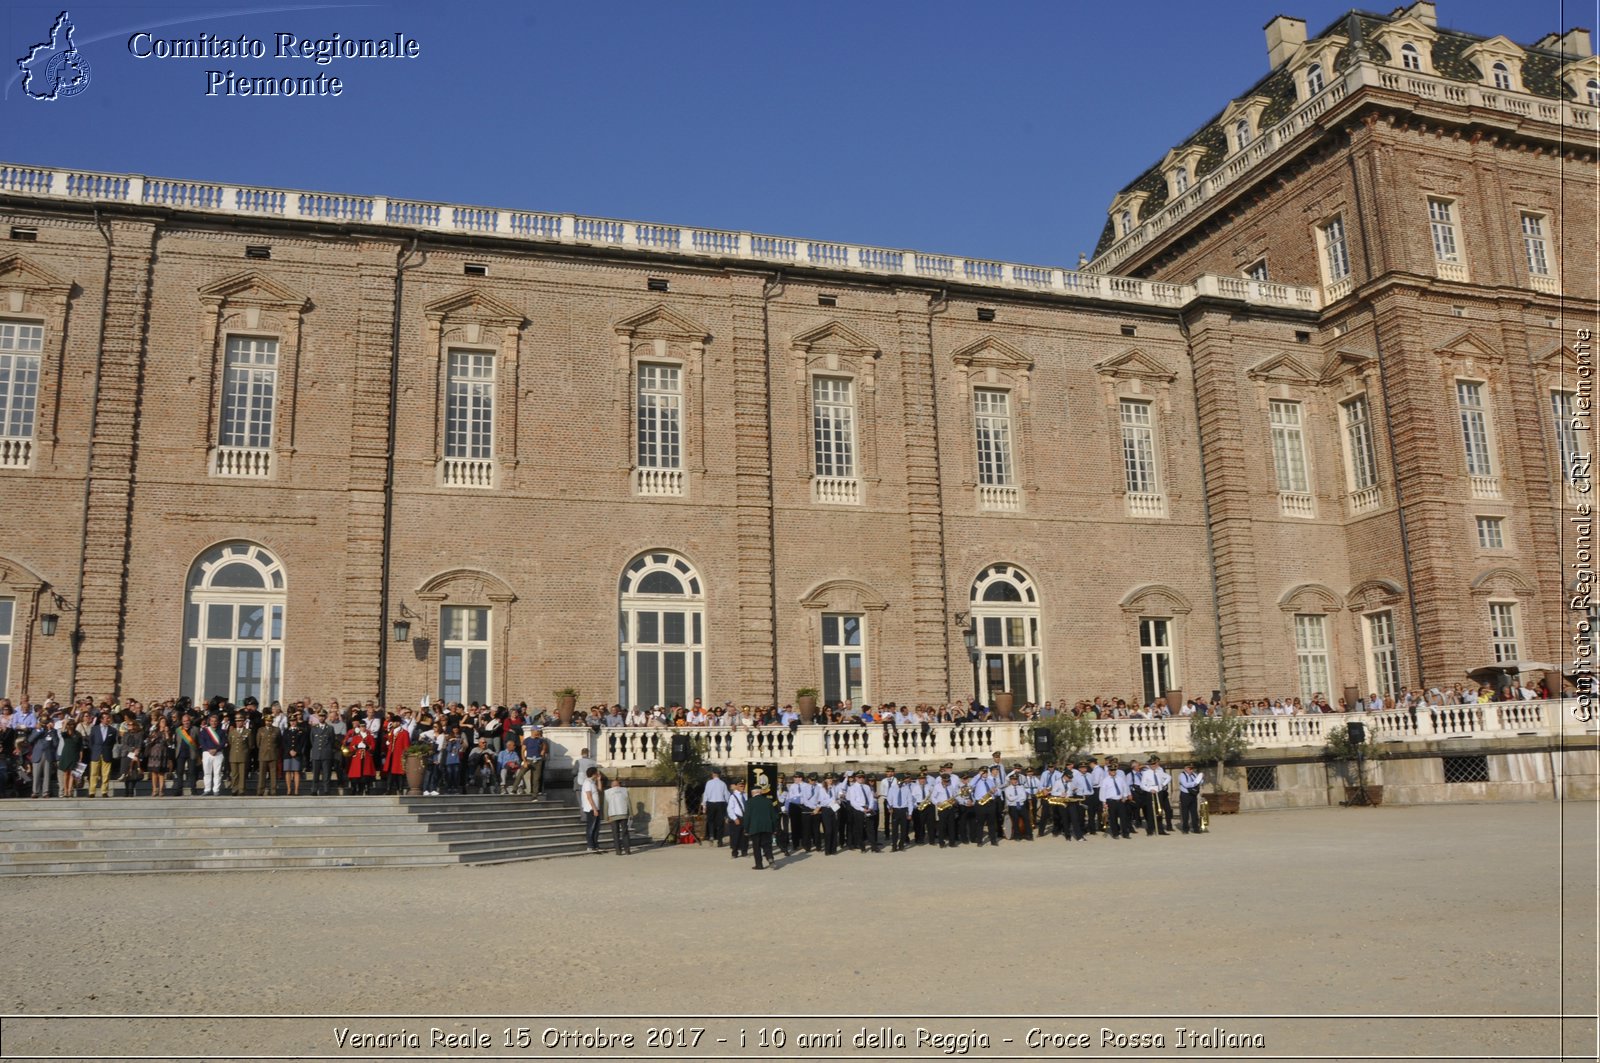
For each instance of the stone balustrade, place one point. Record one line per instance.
(668, 241)
(1265, 148)
(249, 462)
(816, 744)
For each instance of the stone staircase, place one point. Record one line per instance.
(83, 835)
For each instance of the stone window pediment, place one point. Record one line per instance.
(832, 347)
(1134, 373)
(475, 319)
(659, 333)
(1392, 37)
(1464, 352)
(252, 288)
(28, 288)
(1156, 599)
(662, 322)
(1485, 54)
(843, 596)
(1248, 110)
(1186, 160)
(1578, 74)
(30, 292)
(1375, 593)
(465, 586)
(1559, 369)
(1310, 598)
(1282, 369)
(1350, 369)
(993, 361)
(1502, 582)
(471, 306)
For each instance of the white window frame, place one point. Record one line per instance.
(1592, 91)
(202, 597)
(1312, 657)
(1315, 82)
(1126, 218)
(1504, 641)
(833, 427)
(836, 659)
(991, 421)
(1477, 441)
(1360, 450)
(1500, 75)
(1241, 134)
(1007, 626)
(1383, 651)
(1444, 230)
(457, 643)
(634, 643)
(1258, 271)
(1158, 657)
(1535, 248)
(1410, 57)
(1289, 463)
(1568, 439)
(249, 392)
(8, 621)
(1491, 531)
(21, 364)
(1180, 180)
(658, 421)
(469, 404)
(1141, 467)
(1335, 247)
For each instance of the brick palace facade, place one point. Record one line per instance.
(1311, 419)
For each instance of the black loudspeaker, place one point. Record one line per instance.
(680, 748)
(1357, 732)
(1044, 742)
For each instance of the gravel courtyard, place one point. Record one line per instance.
(1465, 909)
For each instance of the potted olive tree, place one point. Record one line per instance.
(1218, 741)
(1352, 758)
(1071, 738)
(416, 764)
(566, 703)
(686, 774)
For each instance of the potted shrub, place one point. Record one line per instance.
(1218, 741)
(1004, 701)
(1338, 747)
(805, 702)
(416, 762)
(685, 775)
(1073, 735)
(566, 703)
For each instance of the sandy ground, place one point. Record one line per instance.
(1424, 911)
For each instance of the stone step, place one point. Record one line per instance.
(131, 830)
(197, 821)
(238, 837)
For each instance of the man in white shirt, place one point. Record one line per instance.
(589, 801)
(715, 803)
(1114, 796)
(736, 801)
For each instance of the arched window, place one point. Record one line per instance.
(661, 626)
(1593, 91)
(1005, 617)
(1502, 76)
(1180, 179)
(1126, 217)
(233, 625)
(1241, 133)
(1410, 58)
(1313, 79)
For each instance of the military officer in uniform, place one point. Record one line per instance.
(324, 746)
(268, 753)
(241, 745)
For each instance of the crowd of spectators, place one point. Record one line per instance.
(94, 748)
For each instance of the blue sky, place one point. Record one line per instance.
(998, 130)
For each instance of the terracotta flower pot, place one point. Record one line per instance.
(564, 709)
(1003, 704)
(805, 706)
(416, 767)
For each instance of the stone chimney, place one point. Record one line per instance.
(1284, 35)
(1574, 44)
(1425, 12)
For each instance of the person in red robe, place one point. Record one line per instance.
(394, 757)
(358, 746)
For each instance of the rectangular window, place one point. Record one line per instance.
(1257, 272)
(833, 426)
(1260, 777)
(1138, 448)
(1156, 657)
(991, 416)
(1335, 250)
(1465, 769)
(1289, 448)
(660, 417)
(1567, 438)
(1491, 535)
(464, 654)
(249, 390)
(1474, 427)
(1383, 655)
(8, 612)
(1534, 246)
(843, 654)
(1359, 453)
(1442, 224)
(21, 347)
(1311, 652)
(469, 406)
(1503, 631)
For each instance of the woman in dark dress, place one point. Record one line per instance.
(158, 756)
(296, 746)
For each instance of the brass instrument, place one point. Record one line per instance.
(945, 806)
(921, 805)
(1205, 816)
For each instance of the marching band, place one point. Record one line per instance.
(828, 813)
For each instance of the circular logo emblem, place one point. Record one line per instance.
(67, 74)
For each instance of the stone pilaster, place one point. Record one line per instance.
(1227, 484)
(930, 622)
(112, 456)
(369, 442)
(753, 496)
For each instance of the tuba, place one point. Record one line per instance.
(1205, 816)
